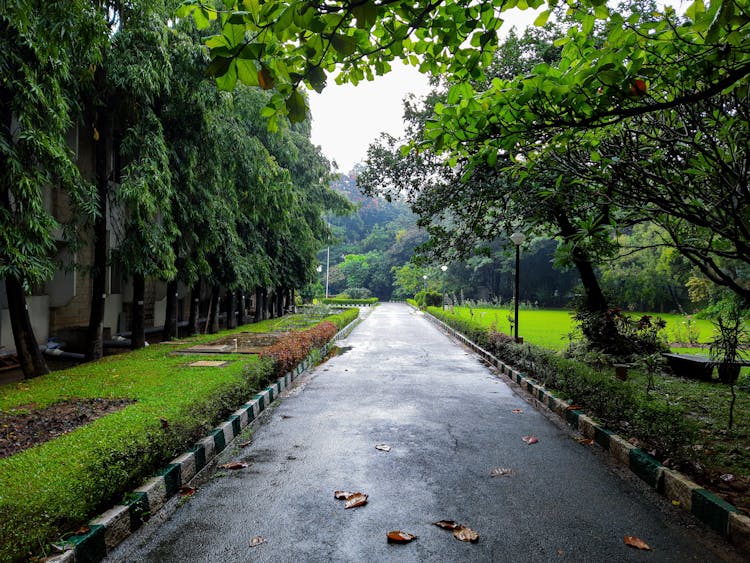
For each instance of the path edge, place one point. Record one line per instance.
(721, 516)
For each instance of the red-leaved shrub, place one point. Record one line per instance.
(292, 348)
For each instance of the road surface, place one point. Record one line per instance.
(449, 421)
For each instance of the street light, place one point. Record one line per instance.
(424, 277)
(328, 265)
(517, 239)
(444, 268)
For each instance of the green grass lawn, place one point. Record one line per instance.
(553, 328)
(54, 487)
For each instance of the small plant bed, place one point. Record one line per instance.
(684, 423)
(54, 487)
(27, 426)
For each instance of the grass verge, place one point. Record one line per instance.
(51, 489)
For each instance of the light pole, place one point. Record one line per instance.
(328, 266)
(424, 277)
(444, 268)
(517, 239)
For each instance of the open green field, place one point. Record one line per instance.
(553, 328)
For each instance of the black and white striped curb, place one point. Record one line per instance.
(721, 516)
(112, 527)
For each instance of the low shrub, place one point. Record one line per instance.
(343, 318)
(292, 348)
(356, 293)
(432, 299)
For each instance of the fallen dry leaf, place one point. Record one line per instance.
(517, 411)
(342, 495)
(234, 465)
(574, 408)
(638, 543)
(245, 444)
(465, 534)
(383, 447)
(397, 536)
(355, 500)
(186, 491)
(447, 524)
(501, 472)
(530, 439)
(83, 530)
(584, 441)
(255, 541)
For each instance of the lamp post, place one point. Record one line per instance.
(444, 268)
(517, 239)
(424, 277)
(328, 266)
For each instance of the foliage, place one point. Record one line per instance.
(356, 293)
(621, 337)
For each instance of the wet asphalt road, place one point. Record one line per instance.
(449, 422)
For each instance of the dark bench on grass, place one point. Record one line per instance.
(697, 367)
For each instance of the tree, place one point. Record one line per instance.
(42, 48)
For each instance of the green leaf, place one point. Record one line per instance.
(542, 18)
(366, 14)
(296, 107)
(247, 72)
(228, 80)
(317, 78)
(343, 44)
(219, 66)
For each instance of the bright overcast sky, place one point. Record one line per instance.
(346, 118)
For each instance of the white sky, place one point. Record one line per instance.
(346, 118)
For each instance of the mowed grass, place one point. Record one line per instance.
(554, 328)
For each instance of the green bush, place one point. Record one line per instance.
(433, 299)
(356, 293)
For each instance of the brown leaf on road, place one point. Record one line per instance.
(355, 500)
(383, 447)
(255, 541)
(186, 491)
(501, 472)
(530, 439)
(342, 495)
(635, 542)
(465, 534)
(584, 441)
(234, 465)
(447, 524)
(573, 408)
(397, 536)
(517, 411)
(245, 444)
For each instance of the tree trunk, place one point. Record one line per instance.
(242, 319)
(259, 304)
(213, 317)
(170, 314)
(231, 309)
(28, 352)
(280, 293)
(195, 301)
(94, 335)
(271, 303)
(138, 324)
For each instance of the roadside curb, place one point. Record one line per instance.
(719, 515)
(109, 529)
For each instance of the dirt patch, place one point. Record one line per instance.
(22, 430)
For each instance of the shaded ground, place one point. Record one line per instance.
(27, 426)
